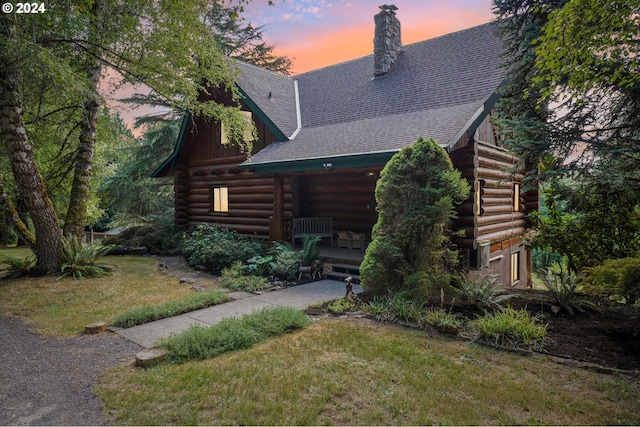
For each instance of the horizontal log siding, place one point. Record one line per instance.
(250, 197)
(346, 196)
(497, 221)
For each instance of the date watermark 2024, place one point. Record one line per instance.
(33, 7)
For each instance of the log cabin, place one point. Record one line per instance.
(325, 135)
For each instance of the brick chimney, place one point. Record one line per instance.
(387, 41)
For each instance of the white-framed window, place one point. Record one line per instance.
(515, 267)
(220, 199)
(516, 197)
(248, 136)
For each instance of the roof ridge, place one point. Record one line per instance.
(306, 73)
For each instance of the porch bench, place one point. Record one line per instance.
(312, 226)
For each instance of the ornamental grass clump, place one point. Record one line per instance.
(482, 291)
(509, 328)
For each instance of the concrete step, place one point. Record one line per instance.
(346, 268)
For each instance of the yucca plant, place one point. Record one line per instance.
(482, 291)
(562, 287)
(80, 260)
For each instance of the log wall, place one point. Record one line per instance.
(250, 196)
(490, 215)
(346, 196)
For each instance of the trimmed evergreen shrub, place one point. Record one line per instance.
(416, 197)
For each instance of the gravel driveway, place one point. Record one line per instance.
(49, 381)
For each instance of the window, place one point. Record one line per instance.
(516, 197)
(220, 198)
(248, 136)
(515, 267)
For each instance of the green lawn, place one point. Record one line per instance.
(356, 372)
(64, 307)
(342, 371)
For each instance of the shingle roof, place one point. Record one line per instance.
(274, 94)
(434, 90)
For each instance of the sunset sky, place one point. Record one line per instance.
(317, 33)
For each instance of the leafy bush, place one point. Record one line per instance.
(233, 278)
(79, 260)
(286, 261)
(510, 328)
(344, 305)
(482, 291)
(617, 279)
(562, 286)
(157, 239)
(198, 343)
(259, 265)
(149, 313)
(215, 248)
(18, 267)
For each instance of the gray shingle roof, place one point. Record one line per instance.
(433, 91)
(272, 93)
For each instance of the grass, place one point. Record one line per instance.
(64, 307)
(343, 371)
(149, 313)
(199, 343)
(357, 372)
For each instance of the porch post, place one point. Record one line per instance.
(277, 221)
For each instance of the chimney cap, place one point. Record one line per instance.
(388, 7)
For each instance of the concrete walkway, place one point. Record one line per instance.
(299, 297)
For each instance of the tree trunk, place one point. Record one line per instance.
(23, 164)
(12, 218)
(77, 212)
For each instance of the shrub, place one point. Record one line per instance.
(259, 265)
(198, 343)
(233, 278)
(510, 328)
(285, 262)
(482, 291)
(149, 313)
(617, 279)
(156, 239)
(562, 286)
(215, 248)
(344, 305)
(79, 260)
(416, 197)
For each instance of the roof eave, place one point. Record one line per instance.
(170, 162)
(322, 163)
